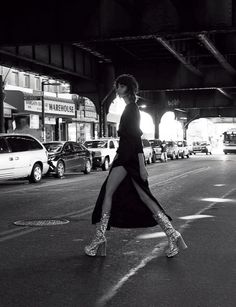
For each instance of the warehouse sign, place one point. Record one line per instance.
(51, 106)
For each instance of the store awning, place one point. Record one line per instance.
(8, 106)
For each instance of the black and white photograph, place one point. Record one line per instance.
(118, 153)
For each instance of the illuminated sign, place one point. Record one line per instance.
(50, 106)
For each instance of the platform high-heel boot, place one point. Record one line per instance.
(174, 237)
(99, 242)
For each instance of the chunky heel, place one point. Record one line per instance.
(99, 243)
(176, 242)
(181, 243)
(102, 249)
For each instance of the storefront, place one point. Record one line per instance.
(85, 125)
(59, 113)
(8, 117)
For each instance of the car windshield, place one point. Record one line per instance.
(53, 147)
(155, 142)
(95, 144)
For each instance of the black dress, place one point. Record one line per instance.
(128, 211)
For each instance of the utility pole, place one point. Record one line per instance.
(43, 113)
(1, 106)
(43, 106)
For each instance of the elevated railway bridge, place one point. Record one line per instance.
(183, 53)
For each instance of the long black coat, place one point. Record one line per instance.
(128, 211)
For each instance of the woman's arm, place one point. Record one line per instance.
(142, 167)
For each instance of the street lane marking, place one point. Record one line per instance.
(199, 170)
(29, 187)
(18, 234)
(154, 254)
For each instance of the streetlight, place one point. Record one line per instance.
(43, 106)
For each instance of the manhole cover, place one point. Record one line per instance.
(41, 222)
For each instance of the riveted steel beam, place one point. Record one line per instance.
(215, 52)
(55, 59)
(178, 55)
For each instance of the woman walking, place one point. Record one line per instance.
(125, 199)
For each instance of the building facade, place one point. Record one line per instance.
(66, 116)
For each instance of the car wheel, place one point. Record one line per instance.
(88, 166)
(60, 169)
(36, 173)
(105, 165)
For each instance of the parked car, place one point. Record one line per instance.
(148, 151)
(156, 149)
(22, 156)
(103, 151)
(183, 149)
(203, 147)
(172, 150)
(190, 148)
(68, 156)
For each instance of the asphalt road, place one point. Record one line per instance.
(46, 266)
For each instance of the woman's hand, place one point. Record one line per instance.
(143, 173)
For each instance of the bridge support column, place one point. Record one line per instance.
(157, 113)
(2, 128)
(103, 131)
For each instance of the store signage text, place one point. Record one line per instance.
(7, 112)
(53, 107)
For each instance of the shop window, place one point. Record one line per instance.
(27, 81)
(15, 78)
(37, 83)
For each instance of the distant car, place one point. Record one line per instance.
(22, 156)
(66, 156)
(148, 151)
(156, 147)
(183, 149)
(103, 151)
(203, 147)
(172, 150)
(190, 148)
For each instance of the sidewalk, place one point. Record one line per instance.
(202, 276)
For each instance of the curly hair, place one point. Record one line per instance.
(131, 83)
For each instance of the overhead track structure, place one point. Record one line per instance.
(220, 58)
(178, 55)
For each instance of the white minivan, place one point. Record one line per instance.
(22, 156)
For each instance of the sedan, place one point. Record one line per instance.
(157, 149)
(68, 156)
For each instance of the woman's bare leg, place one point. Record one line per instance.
(146, 199)
(117, 174)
